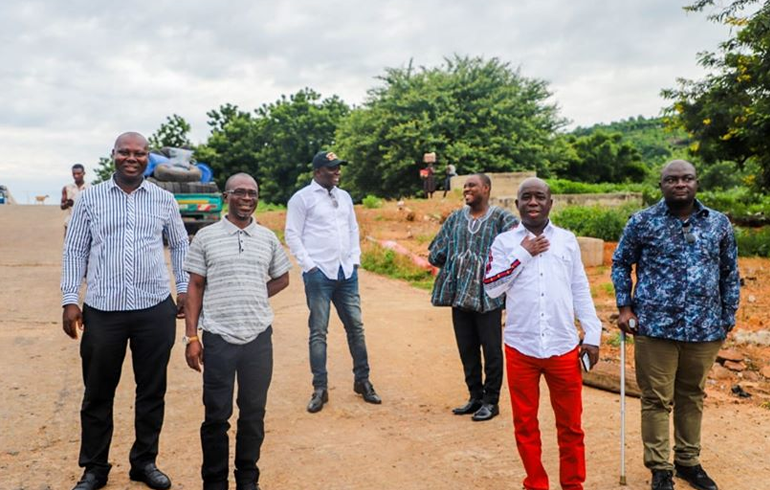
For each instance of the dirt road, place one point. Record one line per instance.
(411, 441)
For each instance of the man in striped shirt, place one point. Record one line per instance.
(234, 266)
(115, 242)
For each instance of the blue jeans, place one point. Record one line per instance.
(321, 292)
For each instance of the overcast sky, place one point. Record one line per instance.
(75, 74)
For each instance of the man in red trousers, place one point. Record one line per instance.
(538, 266)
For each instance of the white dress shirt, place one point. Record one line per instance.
(544, 293)
(321, 230)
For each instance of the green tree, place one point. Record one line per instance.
(480, 115)
(275, 143)
(291, 131)
(173, 132)
(104, 169)
(727, 113)
(602, 156)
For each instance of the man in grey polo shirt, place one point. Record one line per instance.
(234, 266)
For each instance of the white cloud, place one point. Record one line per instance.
(77, 73)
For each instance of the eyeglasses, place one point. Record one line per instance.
(673, 179)
(243, 193)
(688, 236)
(334, 200)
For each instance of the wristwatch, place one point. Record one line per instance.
(187, 339)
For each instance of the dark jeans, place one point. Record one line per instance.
(476, 333)
(252, 363)
(150, 334)
(320, 292)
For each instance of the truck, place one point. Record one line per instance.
(200, 203)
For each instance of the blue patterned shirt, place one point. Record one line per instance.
(115, 241)
(461, 249)
(687, 285)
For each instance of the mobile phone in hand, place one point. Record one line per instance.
(585, 361)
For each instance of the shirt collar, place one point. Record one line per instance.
(315, 187)
(698, 208)
(231, 229)
(114, 185)
(547, 231)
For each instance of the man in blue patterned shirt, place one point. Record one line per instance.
(461, 249)
(680, 311)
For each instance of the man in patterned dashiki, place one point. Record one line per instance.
(235, 265)
(461, 249)
(684, 303)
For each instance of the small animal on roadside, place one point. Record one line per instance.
(41, 199)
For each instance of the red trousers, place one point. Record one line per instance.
(562, 373)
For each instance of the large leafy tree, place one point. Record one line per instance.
(173, 132)
(275, 143)
(728, 112)
(603, 156)
(481, 115)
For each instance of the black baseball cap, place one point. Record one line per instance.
(327, 159)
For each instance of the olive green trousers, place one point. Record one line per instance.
(672, 375)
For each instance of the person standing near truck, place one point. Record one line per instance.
(70, 192)
(115, 242)
(235, 265)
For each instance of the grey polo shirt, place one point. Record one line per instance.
(237, 265)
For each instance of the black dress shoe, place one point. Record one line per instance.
(247, 486)
(90, 481)
(469, 408)
(365, 389)
(317, 400)
(661, 480)
(487, 411)
(151, 476)
(695, 476)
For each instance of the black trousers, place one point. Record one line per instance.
(150, 334)
(252, 363)
(476, 333)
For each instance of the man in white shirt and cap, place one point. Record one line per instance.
(322, 234)
(538, 266)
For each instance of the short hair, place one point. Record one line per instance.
(238, 175)
(484, 178)
(79, 166)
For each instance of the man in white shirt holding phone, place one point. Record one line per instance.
(538, 266)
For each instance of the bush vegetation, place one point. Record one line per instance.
(375, 258)
(753, 242)
(372, 202)
(595, 221)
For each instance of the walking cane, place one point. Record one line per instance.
(632, 326)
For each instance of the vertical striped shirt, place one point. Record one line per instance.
(115, 241)
(237, 264)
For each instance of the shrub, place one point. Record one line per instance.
(380, 260)
(564, 186)
(595, 221)
(753, 242)
(372, 202)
